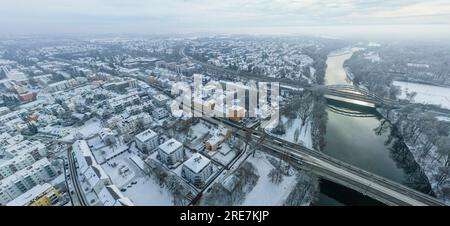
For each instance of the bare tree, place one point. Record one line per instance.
(305, 107)
(443, 147)
(296, 135)
(410, 95)
(275, 176)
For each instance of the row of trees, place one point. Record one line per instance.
(238, 185)
(428, 135)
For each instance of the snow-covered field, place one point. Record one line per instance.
(90, 128)
(148, 193)
(442, 118)
(265, 192)
(120, 179)
(199, 130)
(426, 94)
(304, 135)
(145, 191)
(107, 152)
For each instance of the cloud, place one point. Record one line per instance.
(210, 15)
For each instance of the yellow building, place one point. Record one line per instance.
(40, 195)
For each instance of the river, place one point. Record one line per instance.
(360, 136)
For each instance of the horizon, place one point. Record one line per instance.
(342, 19)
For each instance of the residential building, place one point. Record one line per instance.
(213, 143)
(107, 136)
(171, 152)
(40, 195)
(197, 169)
(15, 164)
(21, 181)
(83, 155)
(161, 100)
(110, 195)
(132, 123)
(147, 141)
(160, 113)
(118, 104)
(35, 148)
(97, 178)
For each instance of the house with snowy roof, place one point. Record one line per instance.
(147, 141)
(171, 153)
(197, 169)
(97, 178)
(110, 195)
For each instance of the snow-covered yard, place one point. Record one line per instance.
(108, 152)
(199, 130)
(265, 192)
(119, 172)
(140, 188)
(304, 134)
(89, 128)
(146, 192)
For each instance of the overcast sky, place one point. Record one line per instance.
(326, 17)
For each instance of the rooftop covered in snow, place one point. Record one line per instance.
(170, 146)
(30, 195)
(197, 162)
(146, 135)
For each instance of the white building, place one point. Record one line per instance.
(62, 85)
(160, 113)
(130, 124)
(107, 136)
(83, 155)
(147, 141)
(197, 169)
(111, 196)
(36, 192)
(4, 110)
(35, 148)
(11, 187)
(6, 140)
(15, 164)
(97, 178)
(8, 117)
(118, 104)
(171, 152)
(12, 122)
(161, 100)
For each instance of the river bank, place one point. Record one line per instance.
(365, 140)
(430, 164)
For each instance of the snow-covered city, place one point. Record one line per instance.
(234, 119)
